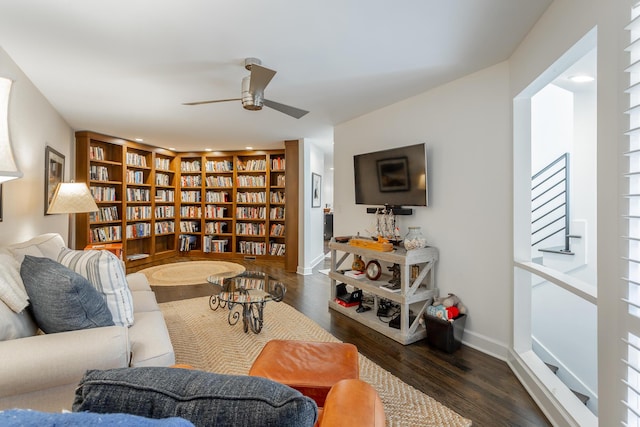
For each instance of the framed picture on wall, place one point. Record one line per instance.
(316, 190)
(53, 174)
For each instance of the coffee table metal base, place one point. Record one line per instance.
(251, 313)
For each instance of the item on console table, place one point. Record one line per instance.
(414, 239)
(355, 274)
(381, 245)
(395, 271)
(373, 270)
(358, 263)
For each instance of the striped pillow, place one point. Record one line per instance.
(106, 273)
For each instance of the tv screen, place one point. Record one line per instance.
(395, 177)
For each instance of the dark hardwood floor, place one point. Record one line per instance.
(475, 385)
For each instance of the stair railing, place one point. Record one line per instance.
(550, 202)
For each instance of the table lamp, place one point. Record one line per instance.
(70, 198)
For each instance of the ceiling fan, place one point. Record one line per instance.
(253, 87)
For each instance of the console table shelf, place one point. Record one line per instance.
(413, 296)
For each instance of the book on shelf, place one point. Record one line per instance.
(347, 304)
(391, 288)
(355, 274)
(134, 257)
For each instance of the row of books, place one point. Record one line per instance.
(191, 211)
(98, 173)
(138, 195)
(105, 234)
(211, 211)
(251, 212)
(141, 229)
(219, 166)
(190, 166)
(252, 165)
(251, 181)
(164, 227)
(216, 227)
(276, 249)
(187, 243)
(135, 159)
(217, 197)
(277, 197)
(190, 181)
(251, 197)
(163, 179)
(211, 244)
(277, 163)
(164, 164)
(190, 226)
(279, 181)
(218, 181)
(250, 229)
(103, 194)
(138, 212)
(277, 230)
(165, 212)
(165, 195)
(109, 213)
(276, 213)
(190, 196)
(135, 177)
(96, 153)
(252, 248)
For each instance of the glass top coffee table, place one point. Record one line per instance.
(245, 295)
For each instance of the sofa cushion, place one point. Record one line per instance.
(61, 299)
(150, 341)
(25, 417)
(203, 398)
(106, 273)
(45, 245)
(15, 325)
(12, 291)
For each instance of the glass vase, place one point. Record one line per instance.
(414, 239)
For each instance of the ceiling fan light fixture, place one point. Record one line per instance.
(250, 101)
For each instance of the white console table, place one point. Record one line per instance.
(413, 295)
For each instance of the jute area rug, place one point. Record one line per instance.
(190, 272)
(203, 338)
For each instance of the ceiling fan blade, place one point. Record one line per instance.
(286, 109)
(260, 78)
(211, 102)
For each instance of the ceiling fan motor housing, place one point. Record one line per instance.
(251, 101)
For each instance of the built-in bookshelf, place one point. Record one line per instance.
(134, 188)
(159, 203)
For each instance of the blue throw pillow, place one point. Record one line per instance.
(24, 417)
(204, 398)
(61, 299)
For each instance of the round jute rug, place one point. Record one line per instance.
(190, 272)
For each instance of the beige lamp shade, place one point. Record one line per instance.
(72, 197)
(8, 168)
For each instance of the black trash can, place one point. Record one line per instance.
(445, 335)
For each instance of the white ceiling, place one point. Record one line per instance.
(124, 67)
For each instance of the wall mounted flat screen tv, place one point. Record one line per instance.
(394, 177)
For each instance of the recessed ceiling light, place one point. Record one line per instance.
(139, 139)
(581, 78)
(172, 149)
(208, 149)
(249, 148)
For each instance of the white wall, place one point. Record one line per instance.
(466, 125)
(33, 124)
(310, 242)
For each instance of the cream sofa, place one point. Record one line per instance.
(42, 371)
